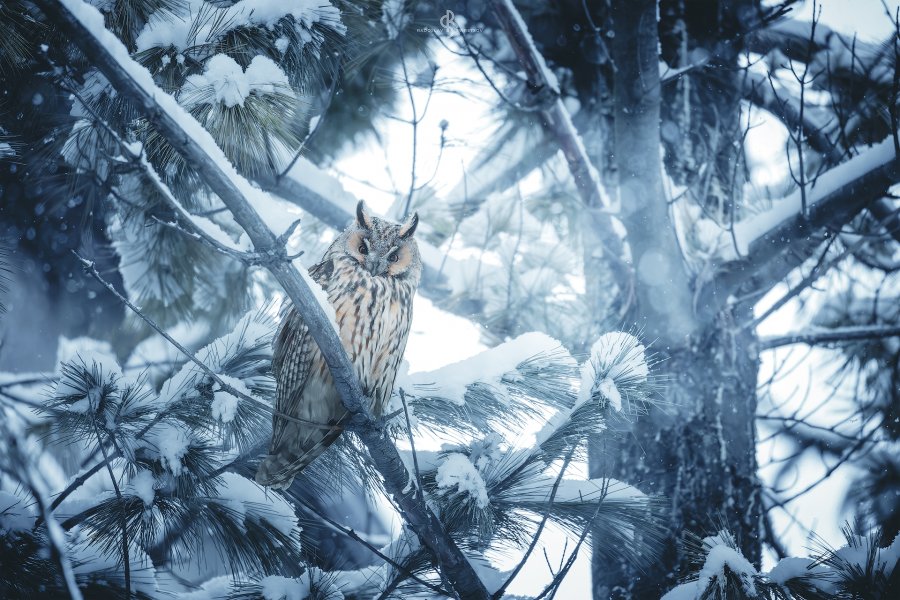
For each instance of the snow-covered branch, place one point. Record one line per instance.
(762, 92)
(834, 199)
(84, 26)
(555, 115)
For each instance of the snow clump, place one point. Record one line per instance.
(226, 82)
(458, 471)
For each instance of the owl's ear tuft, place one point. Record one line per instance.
(363, 218)
(409, 228)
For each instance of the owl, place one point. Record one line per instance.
(370, 274)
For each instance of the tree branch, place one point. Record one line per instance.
(826, 336)
(349, 532)
(84, 26)
(29, 476)
(555, 119)
(761, 92)
(537, 534)
(783, 235)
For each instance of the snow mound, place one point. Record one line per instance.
(224, 81)
(253, 503)
(488, 367)
(224, 404)
(459, 472)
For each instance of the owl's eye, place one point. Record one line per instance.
(393, 257)
(363, 249)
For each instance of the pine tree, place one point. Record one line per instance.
(119, 481)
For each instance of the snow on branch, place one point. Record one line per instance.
(860, 179)
(864, 563)
(834, 198)
(555, 114)
(559, 124)
(85, 27)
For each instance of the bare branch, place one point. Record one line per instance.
(830, 336)
(558, 123)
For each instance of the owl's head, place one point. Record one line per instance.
(383, 248)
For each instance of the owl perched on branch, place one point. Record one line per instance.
(370, 273)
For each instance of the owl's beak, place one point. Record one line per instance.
(376, 264)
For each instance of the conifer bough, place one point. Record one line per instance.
(84, 26)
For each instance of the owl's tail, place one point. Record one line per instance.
(277, 471)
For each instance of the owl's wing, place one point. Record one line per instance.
(293, 350)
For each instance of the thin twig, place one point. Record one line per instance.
(349, 532)
(123, 521)
(223, 386)
(554, 585)
(412, 445)
(91, 269)
(537, 534)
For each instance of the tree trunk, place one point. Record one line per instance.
(697, 449)
(697, 452)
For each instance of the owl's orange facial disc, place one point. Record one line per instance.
(358, 246)
(402, 262)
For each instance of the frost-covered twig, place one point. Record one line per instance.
(85, 27)
(91, 270)
(318, 125)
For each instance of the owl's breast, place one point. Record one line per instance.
(374, 315)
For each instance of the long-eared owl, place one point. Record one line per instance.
(370, 274)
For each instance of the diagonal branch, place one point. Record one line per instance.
(30, 476)
(777, 240)
(84, 26)
(762, 92)
(827, 336)
(556, 120)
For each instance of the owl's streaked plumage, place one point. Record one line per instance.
(370, 273)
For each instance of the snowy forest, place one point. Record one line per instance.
(630, 325)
